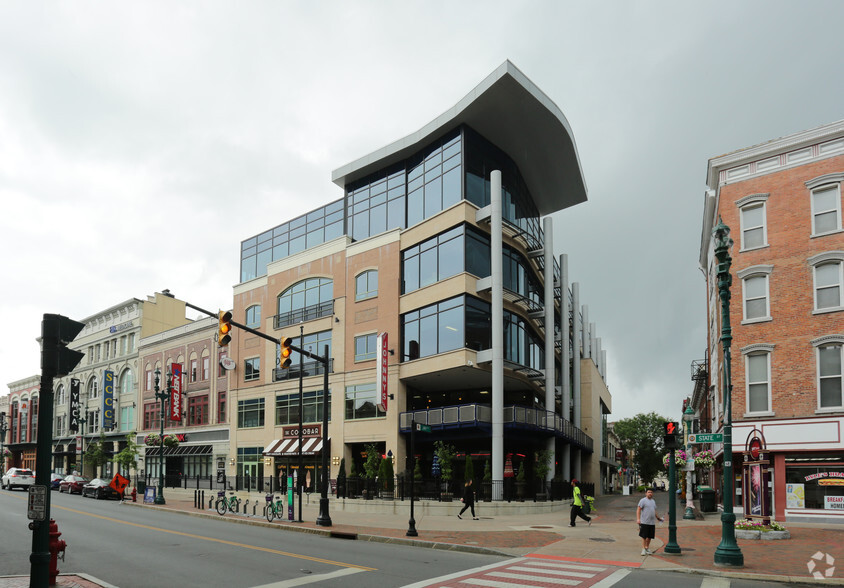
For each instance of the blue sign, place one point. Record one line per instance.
(108, 399)
(149, 495)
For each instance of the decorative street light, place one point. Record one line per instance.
(688, 417)
(727, 553)
(161, 395)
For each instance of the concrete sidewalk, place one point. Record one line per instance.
(542, 530)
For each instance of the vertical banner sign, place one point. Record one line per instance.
(79, 445)
(108, 399)
(74, 405)
(382, 352)
(176, 393)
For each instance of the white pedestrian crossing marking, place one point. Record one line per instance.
(554, 564)
(715, 583)
(534, 578)
(556, 572)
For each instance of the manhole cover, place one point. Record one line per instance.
(602, 539)
(542, 527)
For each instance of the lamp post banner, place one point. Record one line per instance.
(108, 399)
(176, 393)
(382, 352)
(73, 426)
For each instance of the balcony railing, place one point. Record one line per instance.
(480, 415)
(309, 368)
(301, 315)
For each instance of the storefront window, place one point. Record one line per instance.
(815, 486)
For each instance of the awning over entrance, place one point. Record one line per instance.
(180, 450)
(290, 447)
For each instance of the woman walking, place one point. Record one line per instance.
(468, 500)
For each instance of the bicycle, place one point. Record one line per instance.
(275, 509)
(223, 504)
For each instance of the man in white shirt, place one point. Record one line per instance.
(646, 518)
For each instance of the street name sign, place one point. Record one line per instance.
(423, 428)
(706, 438)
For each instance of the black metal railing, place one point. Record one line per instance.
(301, 315)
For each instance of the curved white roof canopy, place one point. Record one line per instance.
(511, 112)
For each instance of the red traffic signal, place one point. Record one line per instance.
(670, 428)
(284, 352)
(224, 328)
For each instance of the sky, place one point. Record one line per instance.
(141, 142)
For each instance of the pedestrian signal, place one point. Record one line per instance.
(284, 354)
(670, 428)
(224, 329)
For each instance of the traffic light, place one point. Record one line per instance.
(56, 332)
(670, 428)
(224, 329)
(671, 437)
(284, 354)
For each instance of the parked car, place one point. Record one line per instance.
(99, 489)
(73, 484)
(55, 479)
(17, 478)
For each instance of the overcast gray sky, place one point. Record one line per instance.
(141, 142)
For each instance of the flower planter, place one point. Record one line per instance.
(762, 535)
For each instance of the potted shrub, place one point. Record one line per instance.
(543, 465)
(487, 482)
(445, 455)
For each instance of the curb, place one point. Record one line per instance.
(790, 580)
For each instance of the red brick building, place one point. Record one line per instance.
(782, 202)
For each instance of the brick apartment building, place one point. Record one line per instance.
(782, 202)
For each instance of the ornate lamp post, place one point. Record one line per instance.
(688, 417)
(161, 395)
(727, 553)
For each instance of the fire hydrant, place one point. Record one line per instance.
(56, 545)
(134, 494)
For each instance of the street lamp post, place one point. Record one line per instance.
(161, 395)
(672, 546)
(727, 553)
(688, 417)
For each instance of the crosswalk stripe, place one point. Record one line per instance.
(555, 572)
(494, 584)
(545, 563)
(544, 580)
(715, 583)
(612, 579)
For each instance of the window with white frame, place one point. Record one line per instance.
(365, 347)
(757, 364)
(93, 388)
(754, 232)
(830, 376)
(253, 316)
(826, 203)
(828, 278)
(252, 369)
(755, 293)
(366, 285)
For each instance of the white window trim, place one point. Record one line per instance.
(370, 294)
(254, 378)
(752, 201)
(817, 344)
(354, 342)
(757, 349)
(824, 182)
(821, 259)
(754, 272)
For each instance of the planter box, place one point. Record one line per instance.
(762, 535)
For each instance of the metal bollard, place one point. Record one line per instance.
(254, 508)
(202, 498)
(195, 497)
(210, 503)
(245, 505)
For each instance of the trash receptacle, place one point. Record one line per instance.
(707, 499)
(142, 487)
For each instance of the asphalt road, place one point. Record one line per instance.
(133, 547)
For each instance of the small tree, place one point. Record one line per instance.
(543, 463)
(385, 475)
(445, 454)
(127, 459)
(417, 471)
(354, 471)
(468, 469)
(96, 454)
(372, 463)
(341, 479)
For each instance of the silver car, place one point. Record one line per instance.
(17, 478)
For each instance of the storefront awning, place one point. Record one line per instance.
(181, 450)
(290, 447)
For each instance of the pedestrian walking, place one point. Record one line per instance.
(468, 500)
(577, 505)
(646, 517)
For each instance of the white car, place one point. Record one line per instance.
(17, 478)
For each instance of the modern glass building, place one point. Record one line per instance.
(443, 242)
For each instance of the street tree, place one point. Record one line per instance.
(127, 459)
(642, 434)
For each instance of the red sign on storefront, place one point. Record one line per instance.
(176, 393)
(383, 353)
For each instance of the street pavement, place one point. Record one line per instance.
(611, 539)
